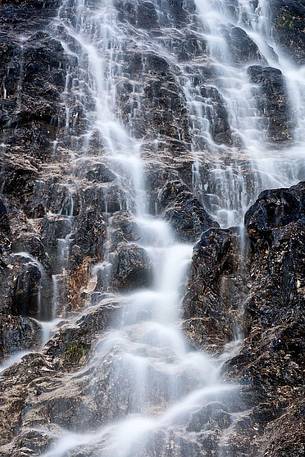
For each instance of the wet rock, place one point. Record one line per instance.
(27, 291)
(185, 44)
(273, 209)
(123, 228)
(271, 359)
(90, 232)
(272, 101)
(30, 243)
(16, 176)
(109, 197)
(14, 388)
(184, 212)
(242, 48)
(33, 80)
(144, 14)
(287, 23)
(131, 267)
(32, 441)
(217, 115)
(55, 227)
(161, 109)
(157, 174)
(97, 172)
(215, 290)
(4, 221)
(17, 334)
(52, 193)
(147, 17)
(211, 415)
(72, 343)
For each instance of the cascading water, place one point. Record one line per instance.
(165, 381)
(161, 380)
(253, 162)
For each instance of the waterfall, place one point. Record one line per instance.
(207, 123)
(271, 165)
(165, 380)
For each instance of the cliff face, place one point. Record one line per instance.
(67, 206)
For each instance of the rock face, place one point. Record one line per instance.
(272, 101)
(72, 246)
(183, 211)
(288, 26)
(270, 362)
(274, 316)
(214, 293)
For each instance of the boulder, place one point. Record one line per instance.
(242, 48)
(271, 359)
(17, 333)
(131, 267)
(272, 102)
(184, 212)
(215, 290)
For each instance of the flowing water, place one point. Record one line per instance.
(165, 381)
(270, 165)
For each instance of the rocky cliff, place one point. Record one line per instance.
(66, 208)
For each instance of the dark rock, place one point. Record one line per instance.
(90, 232)
(14, 388)
(16, 176)
(242, 48)
(273, 102)
(184, 212)
(217, 115)
(288, 26)
(131, 267)
(271, 359)
(210, 415)
(98, 172)
(17, 334)
(123, 228)
(72, 343)
(31, 244)
(4, 221)
(273, 209)
(215, 290)
(147, 17)
(27, 291)
(162, 112)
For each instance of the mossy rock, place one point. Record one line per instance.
(286, 20)
(76, 353)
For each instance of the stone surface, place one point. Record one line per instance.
(272, 102)
(287, 23)
(184, 212)
(271, 358)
